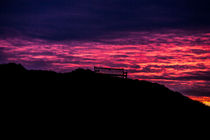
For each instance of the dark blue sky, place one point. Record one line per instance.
(95, 19)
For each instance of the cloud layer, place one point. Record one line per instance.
(174, 58)
(96, 19)
(158, 40)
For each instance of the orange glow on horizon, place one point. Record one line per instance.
(204, 99)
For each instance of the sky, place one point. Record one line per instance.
(163, 41)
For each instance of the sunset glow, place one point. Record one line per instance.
(178, 60)
(166, 42)
(203, 99)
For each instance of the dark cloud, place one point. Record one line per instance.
(150, 69)
(199, 51)
(160, 68)
(197, 75)
(3, 56)
(96, 19)
(120, 56)
(197, 92)
(183, 67)
(165, 57)
(202, 57)
(37, 64)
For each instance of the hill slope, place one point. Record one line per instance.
(86, 97)
(87, 83)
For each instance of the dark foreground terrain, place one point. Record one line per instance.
(84, 99)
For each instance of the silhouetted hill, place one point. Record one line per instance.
(85, 96)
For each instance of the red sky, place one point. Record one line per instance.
(204, 99)
(176, 58)
(163, 41)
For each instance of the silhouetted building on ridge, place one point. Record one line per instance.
(112, 71)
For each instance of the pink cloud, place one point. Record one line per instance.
(170, 57)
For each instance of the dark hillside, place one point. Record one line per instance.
(85, 96)
(93, 87)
